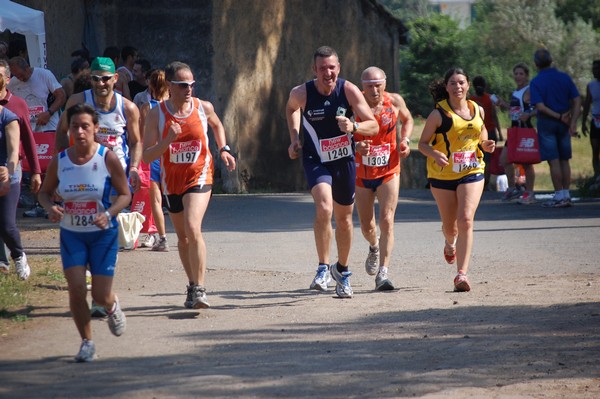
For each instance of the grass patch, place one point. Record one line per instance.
(19, 298)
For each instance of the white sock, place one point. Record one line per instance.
(566, 194)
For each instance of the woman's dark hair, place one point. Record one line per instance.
(480, 84)
(82, 108)
(437, 88)
(79, 64)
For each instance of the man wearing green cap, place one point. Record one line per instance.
(118, 118)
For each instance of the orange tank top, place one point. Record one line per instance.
(383, 158)
(188, 161)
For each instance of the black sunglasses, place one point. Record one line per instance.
(104, 79)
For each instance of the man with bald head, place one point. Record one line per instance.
(378, 171)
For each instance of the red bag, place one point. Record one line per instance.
(141, 199)
(523, 145)
(44, 143)
(496, 168)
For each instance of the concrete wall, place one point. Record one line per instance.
(246, 55)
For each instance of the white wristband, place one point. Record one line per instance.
(108, 215)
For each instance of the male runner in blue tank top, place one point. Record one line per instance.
(323, 108)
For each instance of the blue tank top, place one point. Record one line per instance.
(323, 139)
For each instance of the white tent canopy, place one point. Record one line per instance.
(29, 22)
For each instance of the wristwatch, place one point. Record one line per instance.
(225, 148)
(355, 128)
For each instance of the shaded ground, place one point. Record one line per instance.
(530, 327)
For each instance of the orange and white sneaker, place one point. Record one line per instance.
(449, 253)
(461, 283)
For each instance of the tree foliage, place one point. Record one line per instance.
(434, 46)
(503, 33)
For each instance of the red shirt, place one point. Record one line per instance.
(485, 102)
(27, 149)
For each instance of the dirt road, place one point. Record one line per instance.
(530, 328)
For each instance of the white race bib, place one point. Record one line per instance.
(515, 112)
(335, 148)
(465, 160)
(185, 152)
(379, 155)
(34, 112)
(80, 213)
(107, 140)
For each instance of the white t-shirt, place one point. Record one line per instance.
(35, 93)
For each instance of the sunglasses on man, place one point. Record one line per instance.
(104, 78)
(184, 85)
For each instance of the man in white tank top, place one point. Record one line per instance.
(119, 118)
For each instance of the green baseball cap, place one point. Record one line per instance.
(104, 64)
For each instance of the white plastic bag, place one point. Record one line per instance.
(130, 225)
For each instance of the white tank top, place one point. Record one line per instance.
(113, 128)
(85, 190)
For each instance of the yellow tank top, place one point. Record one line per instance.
(459, 139)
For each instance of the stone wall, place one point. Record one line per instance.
(246, 55)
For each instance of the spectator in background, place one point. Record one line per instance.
(558, 103)
(492, 124)
(83, 53)
(145, 96)
(35, 86)
(18, 106)
(592, 100)
(139, 84)
(79, 66)
(521, 112)
(3, 49)
(18, 48)
(125, 71)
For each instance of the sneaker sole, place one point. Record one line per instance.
(462, 287)
(385, 286)
(200, 305)
(318, 287)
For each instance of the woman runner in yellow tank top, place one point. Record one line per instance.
(453, 140)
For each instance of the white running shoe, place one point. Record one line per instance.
(147, 241)
(23, 270)
(342, 287)
(372, 262)
(116, 320)
(87, 352)
(199, 300)
(322, 278)
(382, 283)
